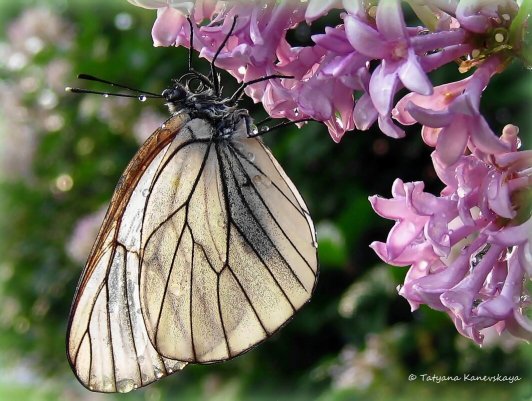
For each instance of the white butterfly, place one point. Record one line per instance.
(206, 250)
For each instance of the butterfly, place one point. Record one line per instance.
(206, 250)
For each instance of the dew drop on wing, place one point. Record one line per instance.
(125, 385)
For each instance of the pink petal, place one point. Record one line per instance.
(401, 235)
(429, 117)
(413, 77)
(365, 113)
(388, 208)
(485, 139)
(519, 326)
(452, 141)
(382, 87)
(510, 236)
(430, 135)
(334, 39)
(469, 18)
(387, 127)
(167, 26)
(390, 20)
(498, 195)
(364, 38)
(318, 8)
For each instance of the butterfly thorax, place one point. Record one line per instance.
(221, 113)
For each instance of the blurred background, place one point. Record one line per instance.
(61, 155)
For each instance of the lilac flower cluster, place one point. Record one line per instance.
(469, 248)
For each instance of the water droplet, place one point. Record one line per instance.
(296, 112)
(254, 130)
(179, 366)
(145, 192)
(142, 98)
(461, 192)
(518, 143)
(242, 69)
(268, 183)
(163, 126)
(125, 385)
(264, 129)
(140, 358)
(251, 157)
(158, 372)
(105, 95)
(262, 180)
(314, 242)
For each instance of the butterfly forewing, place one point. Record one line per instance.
(232, 259)
(207, 249)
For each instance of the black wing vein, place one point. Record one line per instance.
(252, 185)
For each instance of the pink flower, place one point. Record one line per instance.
(390, 42)
(470, 249)
(451, 118)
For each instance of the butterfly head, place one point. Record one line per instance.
(177, 93)
(195, 96)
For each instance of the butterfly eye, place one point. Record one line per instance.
(174, 93)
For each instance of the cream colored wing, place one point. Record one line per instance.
(107, 342)
(229, 251)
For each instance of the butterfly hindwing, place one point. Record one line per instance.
(107, 342)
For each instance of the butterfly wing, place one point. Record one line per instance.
(107, 343)
(234, 256)
(206, 250)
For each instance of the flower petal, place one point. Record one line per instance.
(364, 38)
(452, 141)
(167, 26)
(413, 77)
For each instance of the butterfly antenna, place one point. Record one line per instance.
(191, 45)
(215, 77)
(88, 77)
(191, 70)
(141, 97)
(266, 129)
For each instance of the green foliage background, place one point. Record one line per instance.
(357, 339)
